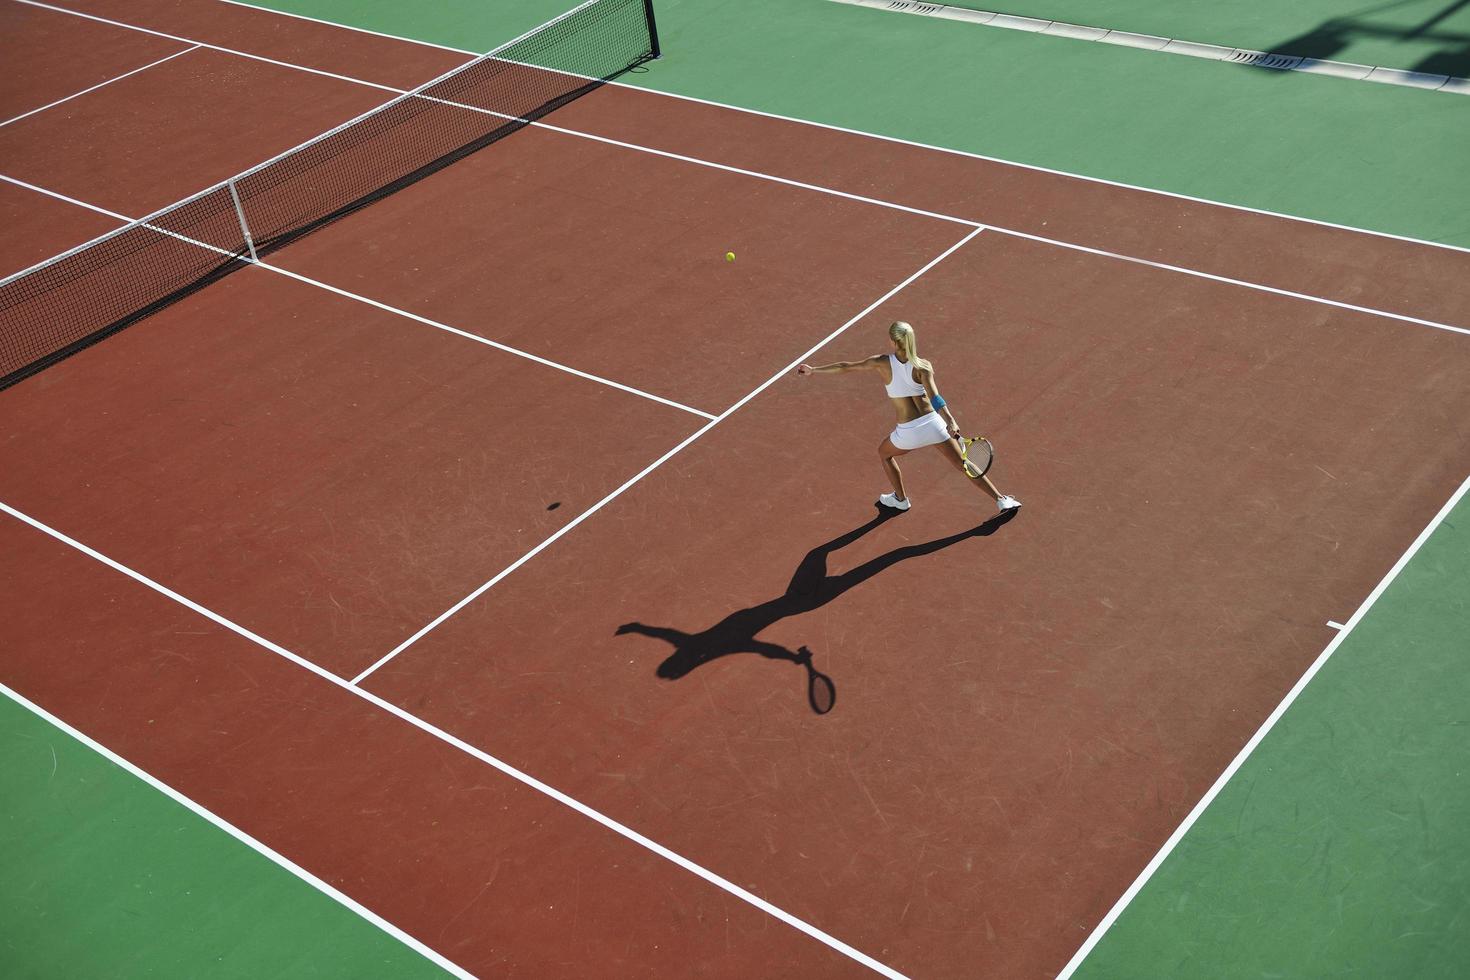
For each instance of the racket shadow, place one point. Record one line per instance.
(811, 587)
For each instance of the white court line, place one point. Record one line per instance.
(1270, 721)
(657, 463)
(1250, 746)
(349, 27)
(1054, 172)
(69, 200)
(528, 780)
(487, 341)
(928, 214)
(976, 224)
(712, 165)
(115, 78)
(931, 214)
(1104, 253)
(1335, 625)
(1229, 281)
(937, 149)
(382, 306)
(240, 835)
(205, 44)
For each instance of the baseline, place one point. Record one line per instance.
(1079, 659)
(1123, 185)
(94, 88)
(464, 747)
(687, 158)
(520, 776)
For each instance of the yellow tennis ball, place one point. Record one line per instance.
(729, 256)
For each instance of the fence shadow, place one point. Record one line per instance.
(1330, 40)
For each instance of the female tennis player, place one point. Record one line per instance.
(923, 417)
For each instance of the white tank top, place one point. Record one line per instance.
(903, 384)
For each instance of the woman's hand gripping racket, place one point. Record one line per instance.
(976, 454)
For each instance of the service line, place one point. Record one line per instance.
(115, 78)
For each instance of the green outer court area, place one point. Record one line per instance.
(105, 876)
(1336, 849)
(1371, 156)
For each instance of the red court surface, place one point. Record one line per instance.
(1022, 718)
(331, 474)
(348, 474)
(266, 34)
(611, 261)
(38, 227)
(1024, 710)
(486, 871)
(1369, 270)
(147, 141)
(32, 37)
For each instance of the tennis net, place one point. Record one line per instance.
(52, 310)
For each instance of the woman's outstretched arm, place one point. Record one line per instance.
(837, 367)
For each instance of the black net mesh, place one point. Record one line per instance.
(53, 310)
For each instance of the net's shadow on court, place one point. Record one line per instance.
(811, 587)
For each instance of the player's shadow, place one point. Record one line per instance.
(811, 587)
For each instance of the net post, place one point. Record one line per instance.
(652, 27)
(240, 213)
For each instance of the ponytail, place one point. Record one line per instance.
(904, 334)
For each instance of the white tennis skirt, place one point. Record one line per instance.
(926, 430)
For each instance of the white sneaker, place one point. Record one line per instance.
(891, 500)
(1006, 503)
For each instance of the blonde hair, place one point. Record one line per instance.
(904, 334)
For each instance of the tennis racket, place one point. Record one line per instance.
(976, 453)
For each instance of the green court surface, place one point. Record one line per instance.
(1420, 35)
(1338, 848)
(1322, 148)
(105, 876)
(1332, 852)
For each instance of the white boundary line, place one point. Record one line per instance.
(1270, 722)
(385, 307)
(885, 204)
(526, 779)
(487, 341)
(1102, 253)
(1334, 624)
(115, 78)
(205, 44)
(949, 150)
(348, 27)
(1255, 740)
(656, 463)
(69, 200)
(240, 835)
(1054, 172)
(905, 208)
(1229, 281)
(719, 166)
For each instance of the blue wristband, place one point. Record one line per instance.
(937, 401)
